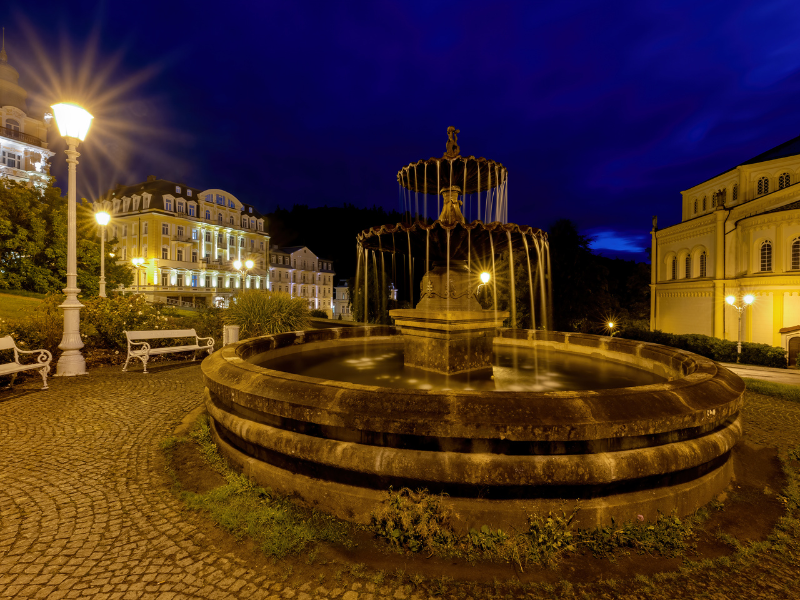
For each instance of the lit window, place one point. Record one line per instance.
(220, 200)
(766, 256)
(194, 280)
(194, 234)
(188, 192)
(783, 181)
(209, 197)
(177, 189)
(763, 186)
(796, 254)
(231, 203)
(703, 264)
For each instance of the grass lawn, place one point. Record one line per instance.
(14, 307)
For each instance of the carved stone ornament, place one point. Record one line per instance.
(452, 143)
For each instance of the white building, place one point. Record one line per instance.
(341, 301)
(23, 136)
(739, 234)
(299, 272)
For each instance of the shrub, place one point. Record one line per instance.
(41, 328)
(208, 323)
(714, 348)
(258, 312)
(318, 314)
(107, 319)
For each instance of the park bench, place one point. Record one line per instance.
(139, 348)
(42, 363)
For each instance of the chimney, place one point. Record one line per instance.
(151, 178)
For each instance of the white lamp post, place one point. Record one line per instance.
(137, 262)
(243, 268)
(102, 218)
(73, 124)
(748, 300)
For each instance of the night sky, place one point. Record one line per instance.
(602, 111)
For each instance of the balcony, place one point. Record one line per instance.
(25, 138)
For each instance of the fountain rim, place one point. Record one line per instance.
(481, 161)
(491, 227)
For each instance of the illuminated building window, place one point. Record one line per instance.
(766, 256)
(10, 159)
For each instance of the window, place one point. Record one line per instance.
(191, 210)
(208, 236)
(713, 200)
(180, 207)
(241, 243)
(695, 206)
(703, 258)
(231, 241)
(208, 215)
(252, 244)
(194, 280)
(165, 253)
(180, 230)
(796, 254)
(220, 200)
(167, 204)
(177, 189)
(252, 222)
(180, 254)
(244, 223)
(146, 201)
(704, 203)
(209, 197)
(687, 271)
(194, 256)
(179, 281)
(165, 279)
(220, 239)
(674, 270)
(735, 192)
(763, 186)
(165, 229)
(12, 125)
(231, 203)
(262, 245)
(766, 256)
(10, 159)
(188, 192)
(230, 219)
(144, 228)
(194, 234)
(219, 218)
(144, 251)
(783, 181)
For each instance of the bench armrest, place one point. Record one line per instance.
(211, 343)
(44, 355)
(145, 345)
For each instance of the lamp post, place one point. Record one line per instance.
(102, 218)
(73, 124)
(137, 262)
(747, 301)
(611, 326)
(243, 268)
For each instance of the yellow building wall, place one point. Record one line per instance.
(791, 309)
(686, 314)
(760, 315)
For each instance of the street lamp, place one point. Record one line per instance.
(73, 124)
(137, 262)
(243, 268)
(748, 300)
(102, 218)
(484, 277)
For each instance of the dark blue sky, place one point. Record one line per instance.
(602, 111)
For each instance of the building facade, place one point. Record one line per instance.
(739, 234)
(188, 239)
(296, 270)
(24, 156)
(341, 301)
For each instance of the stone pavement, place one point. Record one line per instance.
(788, 376)
(85, 506)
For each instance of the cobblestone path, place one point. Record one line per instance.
(86, 511)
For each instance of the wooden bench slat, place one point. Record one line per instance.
(7, 343)
(16, 367)
(158, 333)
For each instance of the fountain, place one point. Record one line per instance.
(448, 400)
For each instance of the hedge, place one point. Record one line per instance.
(713, 348)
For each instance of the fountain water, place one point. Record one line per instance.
(502, 445)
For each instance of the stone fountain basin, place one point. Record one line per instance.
(338, 446)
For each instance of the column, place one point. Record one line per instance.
(719, 274)
(777, 316)
(654, 266)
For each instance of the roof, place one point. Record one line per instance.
(791, 206)
(158, 188)
(784, 150)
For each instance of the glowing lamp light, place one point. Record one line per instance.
(73, 121)
(611, 324)
(485, 277)
(249, 264)
(749, 299)
(137, 261)
(730, 300)
(102, 218)
(237, 264)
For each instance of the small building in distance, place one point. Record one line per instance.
(23, 136)
(189, 239)
(739, 234)
(296, 270)
(341, 301)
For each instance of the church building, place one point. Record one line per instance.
(739, 235)
(23, 135)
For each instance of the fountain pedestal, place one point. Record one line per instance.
(448, 332)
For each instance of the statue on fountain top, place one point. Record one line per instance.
(451, 207)
(452, 143)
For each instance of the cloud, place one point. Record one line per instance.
(611, 240)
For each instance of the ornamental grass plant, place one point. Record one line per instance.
(257, 312)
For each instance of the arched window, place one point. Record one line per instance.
(12, 125)
(230, 219)
(796, 254)
(208, 215)
(783, 181)
(674, 270)
(713, 200)
(695, 206)
(687, 271)
(763, 186)
(219, 217)
(735, 192)
(703, 258)
(704, 203)
(766, 255)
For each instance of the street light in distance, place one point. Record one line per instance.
(102, 219)
(747, 300)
